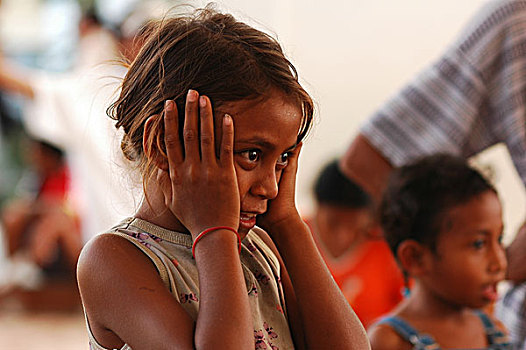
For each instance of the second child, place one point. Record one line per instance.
(443, 222)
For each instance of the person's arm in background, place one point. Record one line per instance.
(364, 164)
(516, 255)
(13, 80)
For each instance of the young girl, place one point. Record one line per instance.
(443, 222)
(191, 269)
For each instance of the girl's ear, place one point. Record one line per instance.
(413, 257)
(149, 140)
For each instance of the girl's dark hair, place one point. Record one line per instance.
(420, 194)
(210, 52)
(334, 188)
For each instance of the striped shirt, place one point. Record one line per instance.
(473, 97)
(511, 311)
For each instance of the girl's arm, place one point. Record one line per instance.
(320, 311)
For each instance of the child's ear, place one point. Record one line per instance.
(148, 143)
(413, 257)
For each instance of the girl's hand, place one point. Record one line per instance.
(203, 190)
(283, 208)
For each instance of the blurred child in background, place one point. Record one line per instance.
(40, 228)
(350, 241)
(443, 222)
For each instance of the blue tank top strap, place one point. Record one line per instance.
(497, 340)
(407, 332)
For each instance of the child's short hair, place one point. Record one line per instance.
(334, 188)
(419, 194)
(210, 52)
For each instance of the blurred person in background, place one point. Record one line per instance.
(70, 109)
(42, 233)
(350, 241)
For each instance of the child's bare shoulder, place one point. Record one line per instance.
(384, 337)
(104, 245)
(106, 256)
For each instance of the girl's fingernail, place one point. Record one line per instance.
(202, 101)
(168, 105)
(227, 119)
(192, 95)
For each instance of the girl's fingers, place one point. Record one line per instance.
(190, 129)
(226, 154)
(289, 174)
(171, 134)
(207, 129)
(293, 161)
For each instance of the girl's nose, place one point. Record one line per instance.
(267, 185)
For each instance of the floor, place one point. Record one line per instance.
(42, 331)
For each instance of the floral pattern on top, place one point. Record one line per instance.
(262, 278)
(260, 338)
(143, 237)
(188, 298)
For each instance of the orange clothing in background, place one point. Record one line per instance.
(55, 186)
(369, 278)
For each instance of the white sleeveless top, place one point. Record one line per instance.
(171, 252)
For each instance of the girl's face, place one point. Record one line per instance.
(265, 132)
(469, 260)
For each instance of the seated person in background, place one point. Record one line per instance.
(41, 231)
(443, 222)
(349, 239)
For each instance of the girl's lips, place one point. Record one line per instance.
(490, 292)
(247, 221)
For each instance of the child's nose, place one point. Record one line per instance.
(267, 185)
(498, 261)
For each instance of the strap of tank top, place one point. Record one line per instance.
(495, 336)
(407, 332)
(163, 272)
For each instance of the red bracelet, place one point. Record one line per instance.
(208, 230)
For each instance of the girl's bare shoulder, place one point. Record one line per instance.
(107, 250)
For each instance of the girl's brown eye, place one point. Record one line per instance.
(251, 155)
(283, 160)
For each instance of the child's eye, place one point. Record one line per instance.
(478, 244)
(283, 160)
(251, 155)
(500, 239)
